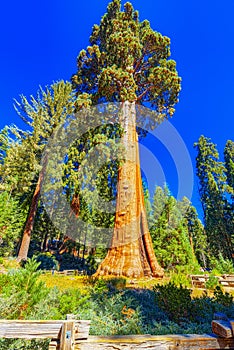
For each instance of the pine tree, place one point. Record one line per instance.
(22, 170)
(212, 187)
(229, 165)
(12, 218)
(127, 62)
(195, 230)
(170, 232)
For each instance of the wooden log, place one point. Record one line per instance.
(82, 329)
(67, 339)
(160, 342)
(62, 333)
(54, 345)
(30, 329)
(222, 328)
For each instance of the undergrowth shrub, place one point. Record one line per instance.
(111, 307)
(112, 314)
(21, 293)
(221, 265)
(21, 344)
(212, 282)
(175, 301)
(71, 301)
(106, 284)
(47, 261)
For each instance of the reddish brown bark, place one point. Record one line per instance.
(75, 205)
(131, 253)
(24, 247)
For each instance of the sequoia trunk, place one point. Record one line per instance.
(131, 253)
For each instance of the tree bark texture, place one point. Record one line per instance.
(24, 247)
(131, 253)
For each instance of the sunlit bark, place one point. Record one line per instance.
(131, 253)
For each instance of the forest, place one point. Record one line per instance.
(155, 244)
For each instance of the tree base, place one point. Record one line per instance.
(127, 261)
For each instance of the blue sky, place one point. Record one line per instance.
(40, 41)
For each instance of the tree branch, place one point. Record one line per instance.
(144, 93)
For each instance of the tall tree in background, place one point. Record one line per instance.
(22, 168)
(170, 230)
(229, 165)
(128, 62)
(195, 231)
(212, 188)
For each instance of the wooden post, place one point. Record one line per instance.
(67, 340)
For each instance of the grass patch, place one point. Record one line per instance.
(64, 282)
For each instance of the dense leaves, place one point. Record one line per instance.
(128, 61)
(215, 182)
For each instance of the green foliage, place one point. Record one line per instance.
(179, 276)
(72, 301)
(107, 284)
(111, 314)
(213, 188)
(221, 265)
(175, 301)
(127, 61)
(177, 304)
(229, 165)
(21, 344)
(21, 291)
(212, 282)
(223, 298)
(111, 307)
(23, 296)
(47, 261)
(12, 218)
(170, 230)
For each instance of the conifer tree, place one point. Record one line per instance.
(195, 230)
(22, 169)
(170, 230)
(212, 188)
(229, 165)
(128, 62)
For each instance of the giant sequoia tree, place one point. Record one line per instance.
(128, 62)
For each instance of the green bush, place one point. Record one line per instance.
(47, 261)
(71, 301)
(106, 284)
(21, 294)
(221, 265)
(112, 314)
(20, 291)
(212, 282)
(223, 298)
(175, 301)
(21, 344)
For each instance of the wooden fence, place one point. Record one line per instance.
(159, 342)
(64, 335)
(199, 281)
(73, 335)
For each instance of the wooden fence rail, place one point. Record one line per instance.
(72, 334)
(63, 334)
(157, 342)
(199, 281)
